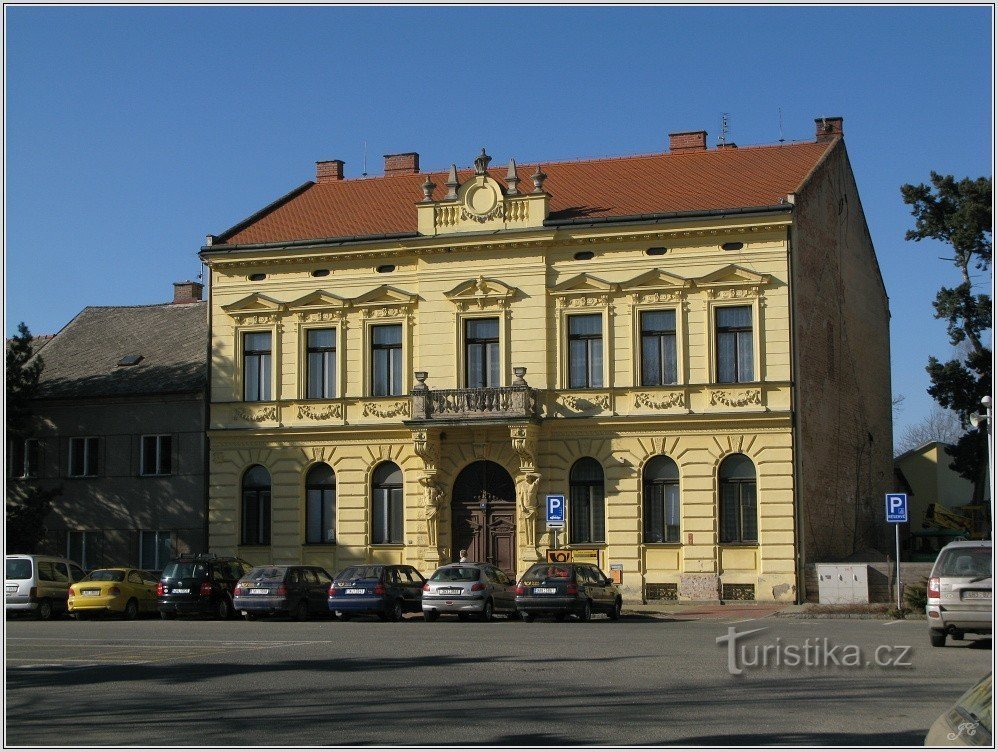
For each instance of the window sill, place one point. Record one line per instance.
(81, 477)
(387, 545)
(155, 475)
(668, 544)
(740, 544)
(319, 545)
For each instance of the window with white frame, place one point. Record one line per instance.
(83, 456)
(658, 348)
(23, 458)
(155, 549)
(386, 360)
(734, 344)
(157, 455)
(256, 366)
(481, 353)
(320, 346)
(585, 351)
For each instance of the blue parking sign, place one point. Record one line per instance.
(555, 510)
(897, 507)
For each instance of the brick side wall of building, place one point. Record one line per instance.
(842, 343)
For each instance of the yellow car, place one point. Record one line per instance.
(119, 590)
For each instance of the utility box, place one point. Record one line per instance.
(843, 583)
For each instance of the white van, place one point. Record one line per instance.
(39, 584)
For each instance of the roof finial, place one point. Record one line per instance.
(538, 177)
(482, 162)
(452, 184)
(428, 187)
(512, 179)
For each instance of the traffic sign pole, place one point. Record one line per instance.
(896, 505)
(897, 545)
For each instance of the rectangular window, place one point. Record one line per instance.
(83, 457)
(84, 547)
(738, 512)
(256, 367)
(658, 348)
(23, 462)
(321, 349)
(320, 515)
(585, 351)
(734, 344)
(386, 360)
(387, 515)
(155, 549)
(481, 353)
(157, 455)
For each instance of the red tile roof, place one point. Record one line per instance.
(621, 186)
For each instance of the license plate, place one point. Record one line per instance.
(259, 591)
(977, 595)
(449, 591)
(90, 592)
(544, 591)
(355, 591)
(11, 588)
(180, 590)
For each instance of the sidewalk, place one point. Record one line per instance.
(686, 611)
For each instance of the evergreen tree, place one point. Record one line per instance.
(959, 213)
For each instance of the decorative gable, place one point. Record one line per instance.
(319, 306)
(257, 308)
(656, 286)
(583, 290)
(481, 293)
(386, 302)
(732, 281)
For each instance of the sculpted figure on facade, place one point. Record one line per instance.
(526, 493)
(433, 506)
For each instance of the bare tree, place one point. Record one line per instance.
(939, 425)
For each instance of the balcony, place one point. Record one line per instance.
(516, 402)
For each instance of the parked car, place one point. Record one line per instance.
(968, 723)
(387, 590)
(199, 584)
(39, 585)
(117, 590)
(960, 592)
(563, 589)
(298, 591)
(468, 588)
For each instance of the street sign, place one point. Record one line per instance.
(897, 508)
(555, 510)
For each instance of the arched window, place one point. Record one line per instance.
(386, 503)
(256, 507)
(320, 505)
(661, 499)
(739, 508)
(586, 507)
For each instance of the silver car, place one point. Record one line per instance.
(960, 592)
(468, 588)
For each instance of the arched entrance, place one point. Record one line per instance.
(483, 515)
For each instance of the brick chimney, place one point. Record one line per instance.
(329, 171)
(406, 163)
(187, 292)
(827, 128)
(687, 141)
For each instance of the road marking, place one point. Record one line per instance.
(888, 623)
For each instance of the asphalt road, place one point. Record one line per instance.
(638, 681)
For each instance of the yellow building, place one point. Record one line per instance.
(691, 347)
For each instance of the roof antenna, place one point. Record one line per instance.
(780, 110)
(364, 173)
(722, 138)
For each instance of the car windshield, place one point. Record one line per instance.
(180, 569)
(18, 569)
(266, 574)
(105, 575)
(360, 573)
(964, 562)
(456, 574)
(548, 572)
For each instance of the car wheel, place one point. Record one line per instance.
(462, 617)
(301, 611)
(167, 615)
(614, 613)
(430, 616)
(396, 612)
(343, 616)
(559, 617)
(223, 609)
(526, 617)
(938, 638)
(487, 611)
(131, 609)
(586, 613)
(957, 635)
(79, 615)
(44, 610)
(249, 615)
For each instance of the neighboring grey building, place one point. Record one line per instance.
(119, 426)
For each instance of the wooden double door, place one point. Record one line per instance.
(483, 516)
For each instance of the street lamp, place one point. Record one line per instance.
(975, 420)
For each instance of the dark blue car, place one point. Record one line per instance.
(388, 591)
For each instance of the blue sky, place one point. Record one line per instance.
(134, 132)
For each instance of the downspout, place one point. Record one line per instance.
(795, 439)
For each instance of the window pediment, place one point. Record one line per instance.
(385, 295)
(733, 276)
(256, 305)
(583, 290)
(657, 286)
(481, 292)
(320, 299)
